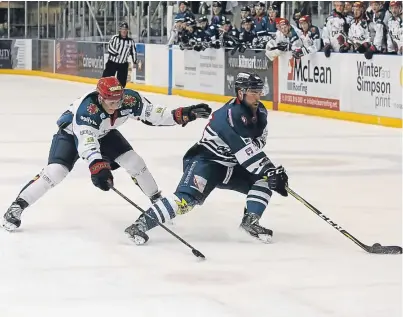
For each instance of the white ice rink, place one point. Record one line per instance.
(71, 257)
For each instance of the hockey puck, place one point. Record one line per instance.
(376, 245)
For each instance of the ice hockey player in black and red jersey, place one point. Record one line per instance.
(358, 33)
(335, 29)
(395, 29)
(88, 129)
(228, 156)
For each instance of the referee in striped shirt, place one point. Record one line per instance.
(119, 48)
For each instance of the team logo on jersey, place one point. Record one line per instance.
(199, 183)
(244, 120)
(92, 108)
(129, 100)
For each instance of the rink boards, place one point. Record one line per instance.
(344, 86)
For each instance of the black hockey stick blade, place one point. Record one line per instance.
(195, 252)
(377, 248)
(198, 254)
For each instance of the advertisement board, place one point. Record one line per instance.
(141, 63)
(204, 71)
(248, 61)
(90, 59)
(312, 81)
(5, 54)
(373, 86)
(66, 59)
(43, 55)
(16, 54)
(178, 68)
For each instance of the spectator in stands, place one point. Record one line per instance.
(230, 35)
(252, 10)
(217, 17)
(260, 18)
(272, 13)
(202, 23)
(245, 12)
(184, 11)
(247, 36)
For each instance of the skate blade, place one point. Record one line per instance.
(8, 226)
(265, 238)
(137, 239)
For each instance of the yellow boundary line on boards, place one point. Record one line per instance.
(347, 116)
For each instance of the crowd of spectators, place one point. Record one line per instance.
(373, 27)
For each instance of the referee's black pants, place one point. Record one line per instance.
(122, 69)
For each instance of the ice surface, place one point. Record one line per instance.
(71, 257)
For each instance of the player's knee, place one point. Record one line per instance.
(132, 163)
(53, 174)
(137, 168)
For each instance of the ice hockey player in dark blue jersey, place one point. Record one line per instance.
(88, 130)
(228, 156)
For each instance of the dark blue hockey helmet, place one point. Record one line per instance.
(248, 82)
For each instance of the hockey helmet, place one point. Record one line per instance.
(109, 88)
(305, 18)
(248, 82)
(395, 3)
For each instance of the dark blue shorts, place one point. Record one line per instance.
(200, 177)
(64, 150)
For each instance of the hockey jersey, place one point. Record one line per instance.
(395, 35)
(377, 24)
(87, 121)
(234, 136)
(311, 39)
(335, 26)
(358, 33)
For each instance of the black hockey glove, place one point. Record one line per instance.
(327, 50)
(184, 115)
(277, 179)
(370, 52)
(101, 175)
(282, 46)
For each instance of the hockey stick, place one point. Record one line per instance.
(194, 251)
(376, 248)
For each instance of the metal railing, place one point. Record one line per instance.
(149, 21)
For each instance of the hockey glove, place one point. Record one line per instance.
(184, 115)
(101, 175)
(277, 179)
(370, 52)
(344, 48)
(299, 52)
(282, 46)
(327, 50)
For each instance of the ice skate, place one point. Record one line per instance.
(250, 224)
(137, 231)
(12, 218)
